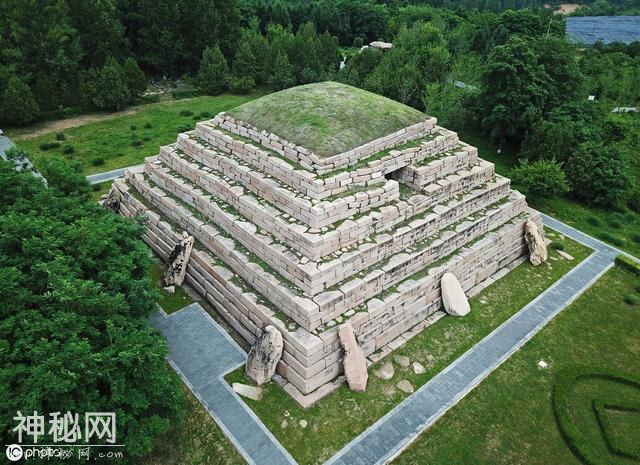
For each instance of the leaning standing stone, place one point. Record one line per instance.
(537, 247)
(176, 268)
(355, 364)
(453, 298)
(264, 355)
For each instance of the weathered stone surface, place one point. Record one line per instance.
(176, 268)
(405, 386)
(565, 255)
(418, 368)
(112, 202)
(537, 247)
(402, 360)
(169, 289)
(264, 355)
(355, 364)
(386, 371)
(245, 390)
(453, 298)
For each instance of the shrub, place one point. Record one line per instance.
(557, 245)
(95, 187)
(593, 221)
(542, 178)
(146, 138)
(618, 216)
(615, 224)
(630, 265)
(184, 128)
(108, 86)
(205, 114)
(136, 142)
(181, 94)
(49, 145)
(186, 113)
(99, 161)
(615, 240)
(18, 106)
(632, 299)
(241, 85)
(134, 135)
(358, 42)
(148, 125)
(133, 127)
(68, 150)
(213, 74)
(134, 77)
(282, 76)
(636, 238)
(60, 136)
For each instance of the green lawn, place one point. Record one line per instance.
(109, 144)
(508, 419)
(621, 230)
(194, 440)
(327, 117)
(342, 415)
(169, 302)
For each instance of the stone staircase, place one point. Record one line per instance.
(302, 243)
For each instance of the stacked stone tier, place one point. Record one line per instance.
(312, 360)
(300, 289)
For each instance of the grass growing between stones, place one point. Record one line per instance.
(98, 190)
(169, 302)
(342, 415)
(328, 117)
(194, 440)
(509, 419)
(127, 140)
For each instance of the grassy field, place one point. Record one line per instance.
(344, 414)
(195, 440)
(328, 117)
(508, 419)
(621, 230)
(127, 140)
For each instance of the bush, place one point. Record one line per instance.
(134, 77)
(542, 178)
(615, 240)
(49, 145)
(107, 87)
(241, 85)
(133, 127)
(632, 299)
(186, 113)
(213, 75)
(636, 238)
(593, 221)
(95, 187)
(205, 114)
(618, 216)
(630, 265)
(148, 125)
(68, 150)
(181, 94)
(557, 245)
(358, 42)
(18, 106)
(146, 138)
(615, 224)
(136, 142)
(184, 128)
(99, 161)
(60, 136)
(134, 136)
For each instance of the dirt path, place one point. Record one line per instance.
(60, 125)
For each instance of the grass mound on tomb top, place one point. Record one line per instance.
(328, 117)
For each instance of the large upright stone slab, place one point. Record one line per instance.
(176, 267)
(453, 298)
(355, 364)
(264, 355)
(535, 243)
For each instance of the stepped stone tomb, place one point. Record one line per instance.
(323, 206)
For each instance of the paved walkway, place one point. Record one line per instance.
(108, 175)
(202, 353)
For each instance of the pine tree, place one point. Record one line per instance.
(282, 75)
(245, 63)
(213, 76)
(18, 105)
(135, 78)
(110, 92)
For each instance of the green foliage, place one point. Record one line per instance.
(134, 143)
(133, 127)
(68, 150)
(241, 85)
(557, 245)
(17, 103)
(98, 161)
(628, 264)
(615, 240)
(592, 220)
(213, 74)
(598, 174)
(186, 113)
(135, 79)
(632, 299)
(74, 306)
(107, 87)
(358, 42)
(636, 238)
(49, 145)
(245, 64)
(543, 178)
(60, 136)
(282, 76)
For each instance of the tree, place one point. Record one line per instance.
(542, 178)
(110, 90)
(245, 64)
(134, 77)
(74, 306)
(213, 75)
(282, 76)
(599, 174)
(514, 90)
(549, 140)
(18, 105)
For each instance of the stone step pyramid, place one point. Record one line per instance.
(306, 242)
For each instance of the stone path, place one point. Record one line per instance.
(202, 353)
(108, 175)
